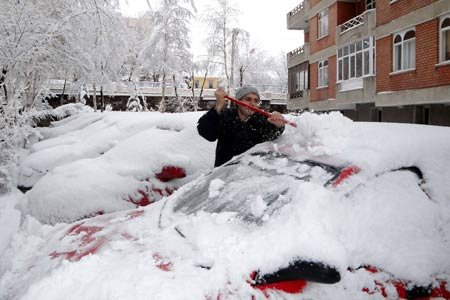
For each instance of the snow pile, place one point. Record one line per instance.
(322, 134)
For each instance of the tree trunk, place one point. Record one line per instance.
(233, 53)
(61, 98)
(3, 83)
(175, 87)
(94, 97)
(241, 76)
(194, 98)
(102, 99)
(162, 104)
(225, 61)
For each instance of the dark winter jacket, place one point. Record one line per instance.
(234, 136)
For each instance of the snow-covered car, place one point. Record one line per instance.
(332, 210)
(94, 163)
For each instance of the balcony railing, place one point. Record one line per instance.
(297, 9)
(297, 51)
(356, 21)
(352, 23)
(297, 94)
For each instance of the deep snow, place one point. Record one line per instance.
(93, 161)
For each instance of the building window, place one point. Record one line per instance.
(404, 50)
(444, 30)
(196, 84)
(356, 60)
(210, 84)
(298, 80)
(301, 77)
(323, 23)
(370, 4)
(323, 73)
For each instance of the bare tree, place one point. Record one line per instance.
(170, 41)
(41, 40)
(220, 21)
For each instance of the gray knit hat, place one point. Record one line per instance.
(241, 92)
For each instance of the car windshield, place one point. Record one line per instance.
(253, 186)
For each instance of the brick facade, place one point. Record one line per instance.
(421, 95)
(326, 92)
(386, 12)
(426, 73)
(329, 40)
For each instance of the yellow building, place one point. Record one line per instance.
(209, 82)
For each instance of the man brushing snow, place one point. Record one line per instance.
(238, 129)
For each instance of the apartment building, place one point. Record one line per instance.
(373, 60)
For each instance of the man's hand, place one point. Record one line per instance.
(277, 119)
(220, 98)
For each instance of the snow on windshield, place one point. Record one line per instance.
(253, 186)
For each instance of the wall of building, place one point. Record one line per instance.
(361, 6)
(440, 115)
(326, 92)
(365, 94)
(215, 82)
(313, 3)
(346, 11)
(329, 40)
(426, 73)
(387, 11)
(399, 115)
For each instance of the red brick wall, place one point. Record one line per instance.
(323, 93)
(387, 12)
(361, 6)
(346, 11)
(426, 73)
(329, 40)
(306, 36)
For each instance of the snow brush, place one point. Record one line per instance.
(258, 110)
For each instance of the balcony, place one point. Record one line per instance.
(298, 100)
(298, 18)
(356, 28)
(298, 56)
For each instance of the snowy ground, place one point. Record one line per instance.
(94, 162)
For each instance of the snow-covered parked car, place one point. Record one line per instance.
(95, 163)
(331, 210)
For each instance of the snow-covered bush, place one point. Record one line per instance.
(180, 104)
(15, 131)
(137, 103)
(60, 112)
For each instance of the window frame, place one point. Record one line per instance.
(322, 25)
(442, 39)
(322, 73)
(366, 52)
(402, 45)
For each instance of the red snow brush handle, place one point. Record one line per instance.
(258, 110)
